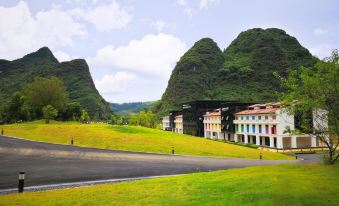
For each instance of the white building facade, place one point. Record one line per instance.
(166, 123)
(178, 124)
(268, 125)
(212, 125)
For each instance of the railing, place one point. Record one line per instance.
(262, 121)
(212, 121)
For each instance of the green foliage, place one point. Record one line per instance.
(49, 112)
(193, 76)
(244, 71)
(316, 90)
(114, 119)
(84, 116)
(16, 110)
(73, 111)
(46, 91)
(126, 109)
(75, 75)
(122, 120)
(144, 118)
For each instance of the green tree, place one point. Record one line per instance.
(16, 110)
(46, 91)
(84, 116)
(73, 111)
(49, 112)
(134, 119)
(316, 90)
(114, 119)
(122, 120)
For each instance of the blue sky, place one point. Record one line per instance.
(132, 46)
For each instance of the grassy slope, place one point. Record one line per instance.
(270, 185)
(132, 139)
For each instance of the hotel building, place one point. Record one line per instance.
(194, 116)
(268, 125)
(178, 123)
(166, 123)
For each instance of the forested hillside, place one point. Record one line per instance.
(75, 74)
(243, 71)
(125, 109)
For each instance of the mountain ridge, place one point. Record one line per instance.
(244, 72)
(74, 73)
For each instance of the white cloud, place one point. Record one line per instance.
(152, 55)
(181, 2)
(161, 25)
(206, 3)
(104, 17)
(21, 32)
(319, 31)
(62, 56)
(112, 84)
(188, 12)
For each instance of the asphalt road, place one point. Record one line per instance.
(47, 164)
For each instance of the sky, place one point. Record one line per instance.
(132, 46)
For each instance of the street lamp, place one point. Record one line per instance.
(21, 182)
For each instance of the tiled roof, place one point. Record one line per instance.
(215, 113)
(257, 111)
(266, 104)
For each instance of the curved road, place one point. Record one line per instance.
(47, 164)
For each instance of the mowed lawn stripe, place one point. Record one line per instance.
(265, 185)
(132, 138)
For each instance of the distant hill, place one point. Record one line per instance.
(14, 75)
(125, 109)
(243, 71)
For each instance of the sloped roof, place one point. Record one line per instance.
(257, 111)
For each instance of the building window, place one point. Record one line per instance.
(236, 128)
(274, 129)
(259, 129)
(267, 129)
(236, 118)
(253, 128)
(247, 117)
(259, 117)
(242, 128)
(242, 117)
(253, 117)
(266, 117)
(274, 117)
(248, 128)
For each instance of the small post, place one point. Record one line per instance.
(2, 131)
(260, 155)
(296, 157)
(172, 150)
(21, 182)
(72, 141)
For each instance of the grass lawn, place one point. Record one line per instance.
(131, 138)
(265, 185)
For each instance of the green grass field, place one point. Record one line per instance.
(132, 138)
(266, 185)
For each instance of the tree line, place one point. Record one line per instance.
(44, 98)
(144, 118)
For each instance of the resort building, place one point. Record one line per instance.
(194, 112)
(268, 125)
(166, 123)
(212, 125)
(178, 122)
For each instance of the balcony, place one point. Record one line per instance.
(212, 121)
(256, 121)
